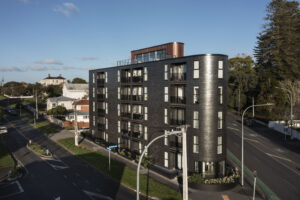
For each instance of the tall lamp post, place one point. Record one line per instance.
(290, 92)
(184, 160)
(267, 104)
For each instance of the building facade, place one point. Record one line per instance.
(75, 90)
(60, 101)
(51, 80)
(131, 105)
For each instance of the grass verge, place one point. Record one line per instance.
(121, 172)
(5, 158)
(37, 148)
(45, 127)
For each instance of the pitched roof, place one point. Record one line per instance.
(77, 86)
(82, 102)
(54, 77)
(61, 98)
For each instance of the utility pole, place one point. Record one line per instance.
(185, 190)
(76, 125)
(36, 106)
(34, 113)
(253, 114)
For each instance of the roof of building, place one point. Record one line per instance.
(54, 77)
(61, 98)
(157, 46)
(77, 86)
(82, 102)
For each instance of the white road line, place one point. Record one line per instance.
(252, 140)
(93, 194)
(286, 159)
(19, 186)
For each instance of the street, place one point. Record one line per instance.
(65, 176)
(277, 162)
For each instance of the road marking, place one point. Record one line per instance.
(21, 190)
(19, 186)
(233, 128)
(252, 140)
(286, 159)
(225, 197)
(93, 194)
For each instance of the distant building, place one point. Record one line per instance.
(82, 108)
(60, 101)
(75, 90)
(51, 80)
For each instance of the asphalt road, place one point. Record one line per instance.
(276, 161)
(66, 176)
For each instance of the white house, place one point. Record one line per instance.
(81, 117)
(75, 91)
(60, 101)
(51, 80)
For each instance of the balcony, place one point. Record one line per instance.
(177, 76)
(137, 97)
(177, 100)
(137, 79)
(100, 81)
(125, 133)
(101, 112)
(125, 79)
(177, 122)
(126, 114)
(136, 135)
(125, 97)
(137, 116)
(100, 97)
(101, 126)
(175, 146)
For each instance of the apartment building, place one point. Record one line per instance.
(132, 104)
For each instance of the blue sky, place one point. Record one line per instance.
(69, 37)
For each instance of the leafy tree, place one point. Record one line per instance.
(54, 90)
(57, 111)
(15, 88)
(78, 80)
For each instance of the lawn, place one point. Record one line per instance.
(5, 158)
(2, 97)
(121, 172)
(37, 148)
(45, 127)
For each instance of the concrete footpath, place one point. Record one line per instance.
(237, 193)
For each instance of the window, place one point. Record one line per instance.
(196, 166)
(106, 123)
(166, 96)
(93, 132)
(140, 147)
(220, 69)
(145, 133)
(166, 116)
(166, 73)
(196, 95)
(119, 127)
(219, 150)
(106, 108)
(118, 108)
(106, 137)
(105, 77)
(196, 119)
(118, 75)
(195, 144)
(119, 93)
(166, 138)
(145, 113)
(94, 107)
(145, 74)
(128, 144)
(94, 78)
(119, 142)
(94, 92)
(94, 120)
(179, 161)
(106, 93)
(196, 69)
(129, 126)
(85, 116)
(220, 120)
(220, 90)
(145, 93)
(166, 163)
(54, 104)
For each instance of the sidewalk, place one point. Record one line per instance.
(237, 193)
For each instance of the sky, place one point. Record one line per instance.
(69, 37)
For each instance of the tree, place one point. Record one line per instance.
(54, 90)
(57, 111)
(78, 80)
(15, 88)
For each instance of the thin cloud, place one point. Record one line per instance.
(11, 69)
(49, 62)
(88, 58)
(66, 9)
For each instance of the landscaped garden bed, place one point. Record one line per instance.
(39, 149)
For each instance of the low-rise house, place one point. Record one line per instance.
(75, 91)
(52, 80)
(82, 109)
(60, 101)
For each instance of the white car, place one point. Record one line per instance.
(3, 130)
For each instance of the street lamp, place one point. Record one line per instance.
(290, 92)
(184, 161)
(267, 104)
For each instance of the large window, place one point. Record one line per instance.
(195, 144)
(179, 161)
(145, 74)
(220, 90)
(166, 73)
(196, 69)
(106, 93)
(145, 94)
(166, 116)
(196, 95)
(119, 92)
(106, 78)
(166, 138)
(106, 123)
(119, 76)
(166, 94)
(219, 150)
(177, 116)
(119, 110)
(106, 108)
(220, 69)
(196, 119)
(145, 133)
(177, 94)
(119, 127)
(178, 72)
(166, 163)
(145, 113)
(220, 120)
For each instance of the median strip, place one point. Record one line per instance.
(121, 172)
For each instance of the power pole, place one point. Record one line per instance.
(185, 188)
(36, 105)
(76, 125)
(253, 107)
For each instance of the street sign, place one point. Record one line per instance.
(111, 147)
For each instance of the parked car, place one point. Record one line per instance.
(3, 130)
